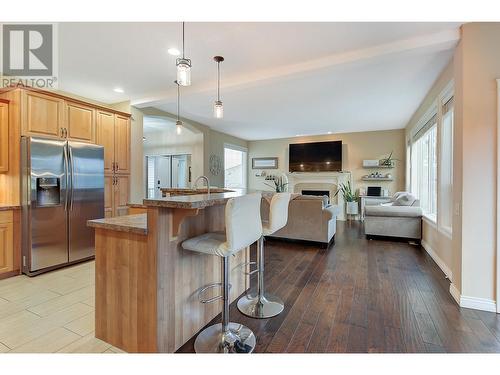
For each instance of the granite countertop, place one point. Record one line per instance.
(130, 223)
(136, 205)
(7, 207)
(195, 200)
(204, 200)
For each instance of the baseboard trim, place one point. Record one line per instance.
(483, 304)
(438, 260)
(455, 293)
(475, 303)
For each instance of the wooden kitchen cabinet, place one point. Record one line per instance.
(4, 136)
(108, 195)
(80, 122)
(43, 115)
(122, 144)
(106, 138)
(116, 195)
(121, 195)
(6, 242)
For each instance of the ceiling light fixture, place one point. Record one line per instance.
(218, 107)
(178, 123)
(118, 90)
(183, 66)
(173, 51)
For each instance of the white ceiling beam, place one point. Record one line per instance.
(428, 43)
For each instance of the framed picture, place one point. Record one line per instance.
(264, 163)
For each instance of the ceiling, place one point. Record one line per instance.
(278, 79)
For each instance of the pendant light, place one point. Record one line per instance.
(218, 107)
(183, 66)
(178, 123)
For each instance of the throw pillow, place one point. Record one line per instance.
(405, 199)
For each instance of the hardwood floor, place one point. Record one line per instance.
(358, 296)
(363, 296)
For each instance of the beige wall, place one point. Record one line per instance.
(480, 67)
(475, 67)
(356, 147)
(438, 244)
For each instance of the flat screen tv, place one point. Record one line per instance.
(315, 157)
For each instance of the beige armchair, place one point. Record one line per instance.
(310, 218)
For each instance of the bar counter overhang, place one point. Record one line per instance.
(147, 285)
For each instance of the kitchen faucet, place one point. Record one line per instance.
(206, 181)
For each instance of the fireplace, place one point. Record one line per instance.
(321, 183)
(316, 192)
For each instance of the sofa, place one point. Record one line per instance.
(402, 217)
(310, 218)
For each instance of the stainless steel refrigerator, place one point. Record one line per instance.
(62, 186)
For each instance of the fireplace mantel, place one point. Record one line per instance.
(298, 181)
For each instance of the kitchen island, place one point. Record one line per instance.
(147, 285)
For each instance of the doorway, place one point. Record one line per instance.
(167, 171)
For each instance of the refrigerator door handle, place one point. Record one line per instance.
(71, 176)
(66, 171)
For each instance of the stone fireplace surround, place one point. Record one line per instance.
(328, 181)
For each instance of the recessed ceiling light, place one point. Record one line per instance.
(118, 89)
(174, 51)
(329, 133)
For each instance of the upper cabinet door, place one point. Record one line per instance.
(80, 122)
(4, 137)
(43, 115)
(122, 144)
(106, 138)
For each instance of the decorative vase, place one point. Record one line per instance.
(352, 208)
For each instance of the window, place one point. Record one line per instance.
(446, 168)
(235, 167)
(424, 167)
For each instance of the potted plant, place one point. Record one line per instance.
(388, 161)
(280, 184)
(350, 198)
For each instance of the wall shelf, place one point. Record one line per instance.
(377, 179)
(380, 166)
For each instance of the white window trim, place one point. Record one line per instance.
(446, 94)
(430, 219)
(435, 109)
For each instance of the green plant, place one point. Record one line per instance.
(388, 161)
(347, 193)
(279, 184)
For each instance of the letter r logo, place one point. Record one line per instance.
(27, 50)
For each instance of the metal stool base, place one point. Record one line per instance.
(212, 339)
(266, 306)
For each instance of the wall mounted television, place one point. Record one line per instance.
(315, 157)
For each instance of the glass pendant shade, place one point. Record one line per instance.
(184, 72)
(218, 109)
(178, 127)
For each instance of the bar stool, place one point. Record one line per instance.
(261, 304)
(243, 227)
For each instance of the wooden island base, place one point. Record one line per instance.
(147, 285)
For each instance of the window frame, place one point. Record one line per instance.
(435, 109)
(245, 163)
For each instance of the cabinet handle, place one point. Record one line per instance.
(117, 166)
(62, 132)
(66, 132)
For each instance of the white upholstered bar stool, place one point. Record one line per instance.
(243, 227)
(261, 304)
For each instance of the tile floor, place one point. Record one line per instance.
(52, 312)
